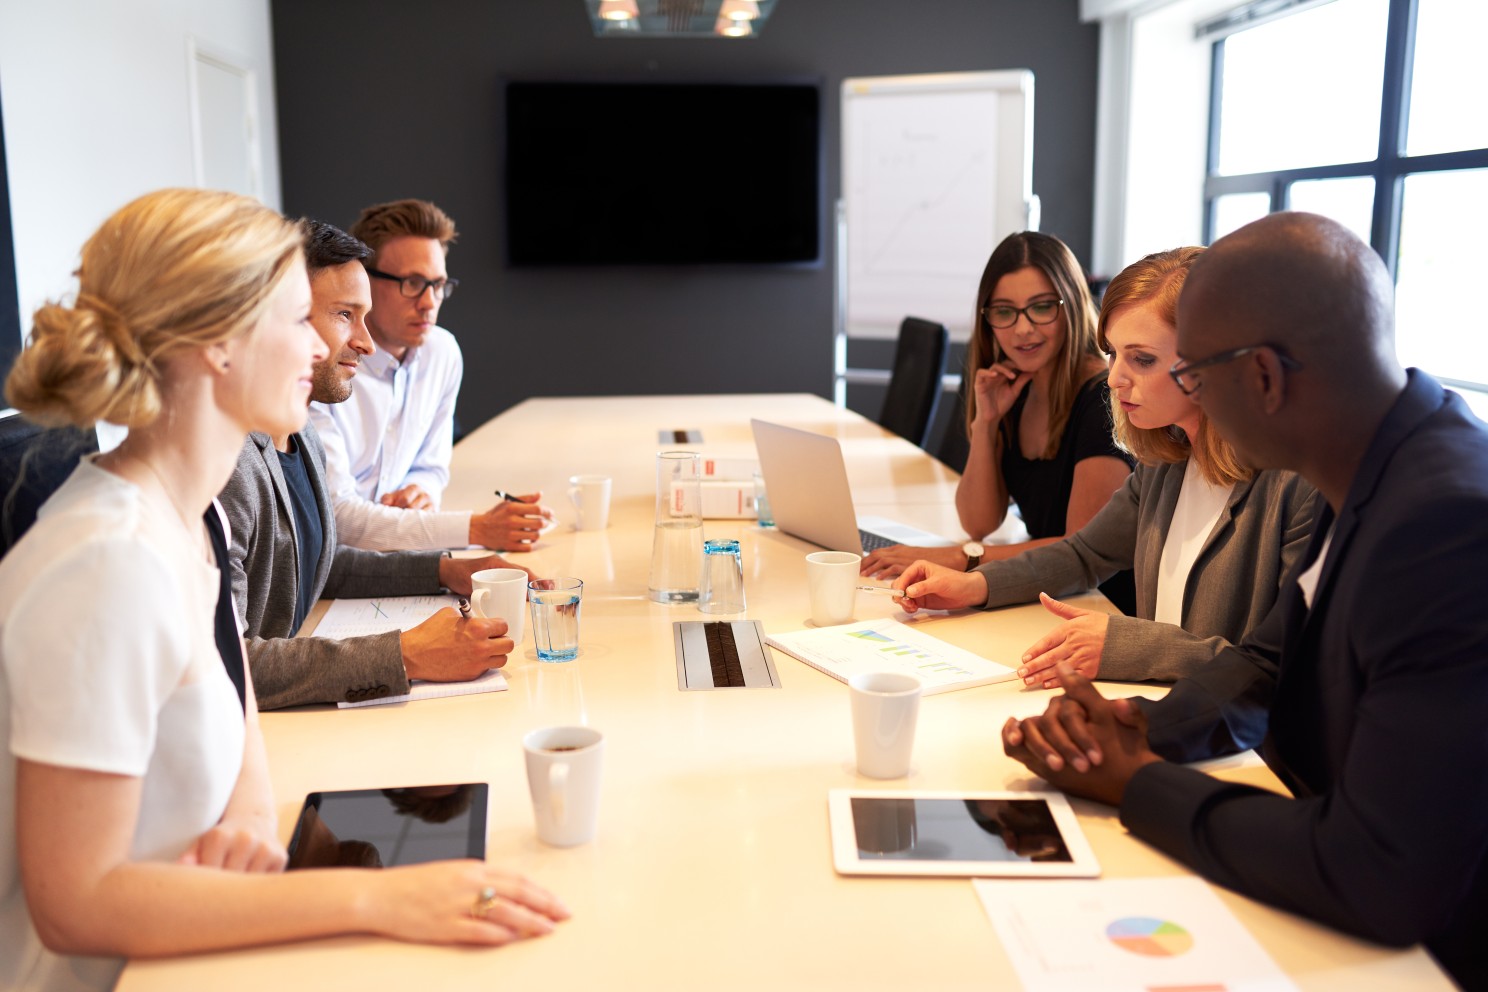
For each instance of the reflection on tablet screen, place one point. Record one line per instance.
(956, 830)
(376, 828)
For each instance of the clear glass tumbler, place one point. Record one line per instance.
(723, 578)
(555, 617)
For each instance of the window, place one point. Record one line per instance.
(1366, 111)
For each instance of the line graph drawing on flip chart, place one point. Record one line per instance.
(936, 169)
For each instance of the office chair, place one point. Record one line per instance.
(914, 383)
(955, 446)
(34, 461)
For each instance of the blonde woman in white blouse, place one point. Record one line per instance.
(135, 814)
(1208, 539)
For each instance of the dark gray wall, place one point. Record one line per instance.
(10, 302)
(381, 99)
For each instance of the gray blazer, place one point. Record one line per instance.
(1261, 531)
(265, 582)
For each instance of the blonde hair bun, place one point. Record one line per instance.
(75, 371)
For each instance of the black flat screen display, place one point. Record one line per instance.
(664, 174)
(382, 828)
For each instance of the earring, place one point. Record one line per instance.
(225, 366)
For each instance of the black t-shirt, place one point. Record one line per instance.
(307, 525)
(1041, 486)
(225, 621)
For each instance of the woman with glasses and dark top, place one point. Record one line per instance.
(1210, 541)
(136, 818)
(1036, 413)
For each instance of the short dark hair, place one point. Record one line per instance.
(327, 245)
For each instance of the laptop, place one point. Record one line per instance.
(809, 495)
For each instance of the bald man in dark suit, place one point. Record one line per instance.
(1366, 688)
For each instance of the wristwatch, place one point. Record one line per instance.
(974, 552)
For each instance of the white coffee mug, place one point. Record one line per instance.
(885, 706)
(591, 498)
(502, 592)
(832, 580)
(563, 766)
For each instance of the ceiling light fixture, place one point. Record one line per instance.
(679, 18)
(618, 10)
(739, 10)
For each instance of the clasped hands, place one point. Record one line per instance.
(1083, 743)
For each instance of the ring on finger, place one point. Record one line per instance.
(483, 902)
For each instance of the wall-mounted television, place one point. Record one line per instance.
(662, 174)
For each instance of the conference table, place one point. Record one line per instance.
(712, 867)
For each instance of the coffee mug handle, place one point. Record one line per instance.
(478, 599)
(573, 495)
(558, 791)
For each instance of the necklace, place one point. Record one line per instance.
(193, 528)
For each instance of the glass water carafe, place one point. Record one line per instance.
(677, 547)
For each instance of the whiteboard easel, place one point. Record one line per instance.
(936, 170)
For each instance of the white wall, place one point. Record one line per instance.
(1152, 127)
(98, 111)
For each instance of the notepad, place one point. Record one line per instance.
(492, 681)
(378, 615)
(886, 645)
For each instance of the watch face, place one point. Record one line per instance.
(972, 549)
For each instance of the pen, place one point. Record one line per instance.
(464, 608)
(502, 494)
(888, 590)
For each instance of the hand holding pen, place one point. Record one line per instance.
(513, 524)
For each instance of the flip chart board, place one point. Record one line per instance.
(936, 170)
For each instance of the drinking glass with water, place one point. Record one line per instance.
(555, 617)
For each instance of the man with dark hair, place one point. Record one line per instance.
(388, 448)
(285, 553)
(1366, 687)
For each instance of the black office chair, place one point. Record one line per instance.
(34, 461)
(914, 384)
(955, 446)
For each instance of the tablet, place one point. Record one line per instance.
(382, 828)
(1005, 834)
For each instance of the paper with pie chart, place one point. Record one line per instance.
(1139, 934)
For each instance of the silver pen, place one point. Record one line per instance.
(887, 590)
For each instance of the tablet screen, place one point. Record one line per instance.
(381, 828)
(964, 830)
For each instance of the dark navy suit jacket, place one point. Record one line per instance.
(1371, 707)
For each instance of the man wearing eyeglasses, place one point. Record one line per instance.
(1365, 689)
(388, 447)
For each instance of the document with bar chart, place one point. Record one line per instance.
(889, 646)
(1137, 934)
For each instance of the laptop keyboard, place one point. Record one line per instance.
(872, 541)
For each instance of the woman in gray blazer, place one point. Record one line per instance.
(1209, 540)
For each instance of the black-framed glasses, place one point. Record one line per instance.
(1002, 316)
(413, 286)
(1183, 371)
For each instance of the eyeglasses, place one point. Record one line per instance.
(413, 286)
(1183, 372)
(1002, 316)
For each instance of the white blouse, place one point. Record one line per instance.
(1199, 505)
(108, 663)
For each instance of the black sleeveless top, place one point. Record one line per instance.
(1041, 486)
(225, 625)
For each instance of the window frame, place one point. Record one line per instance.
(1388, 169)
